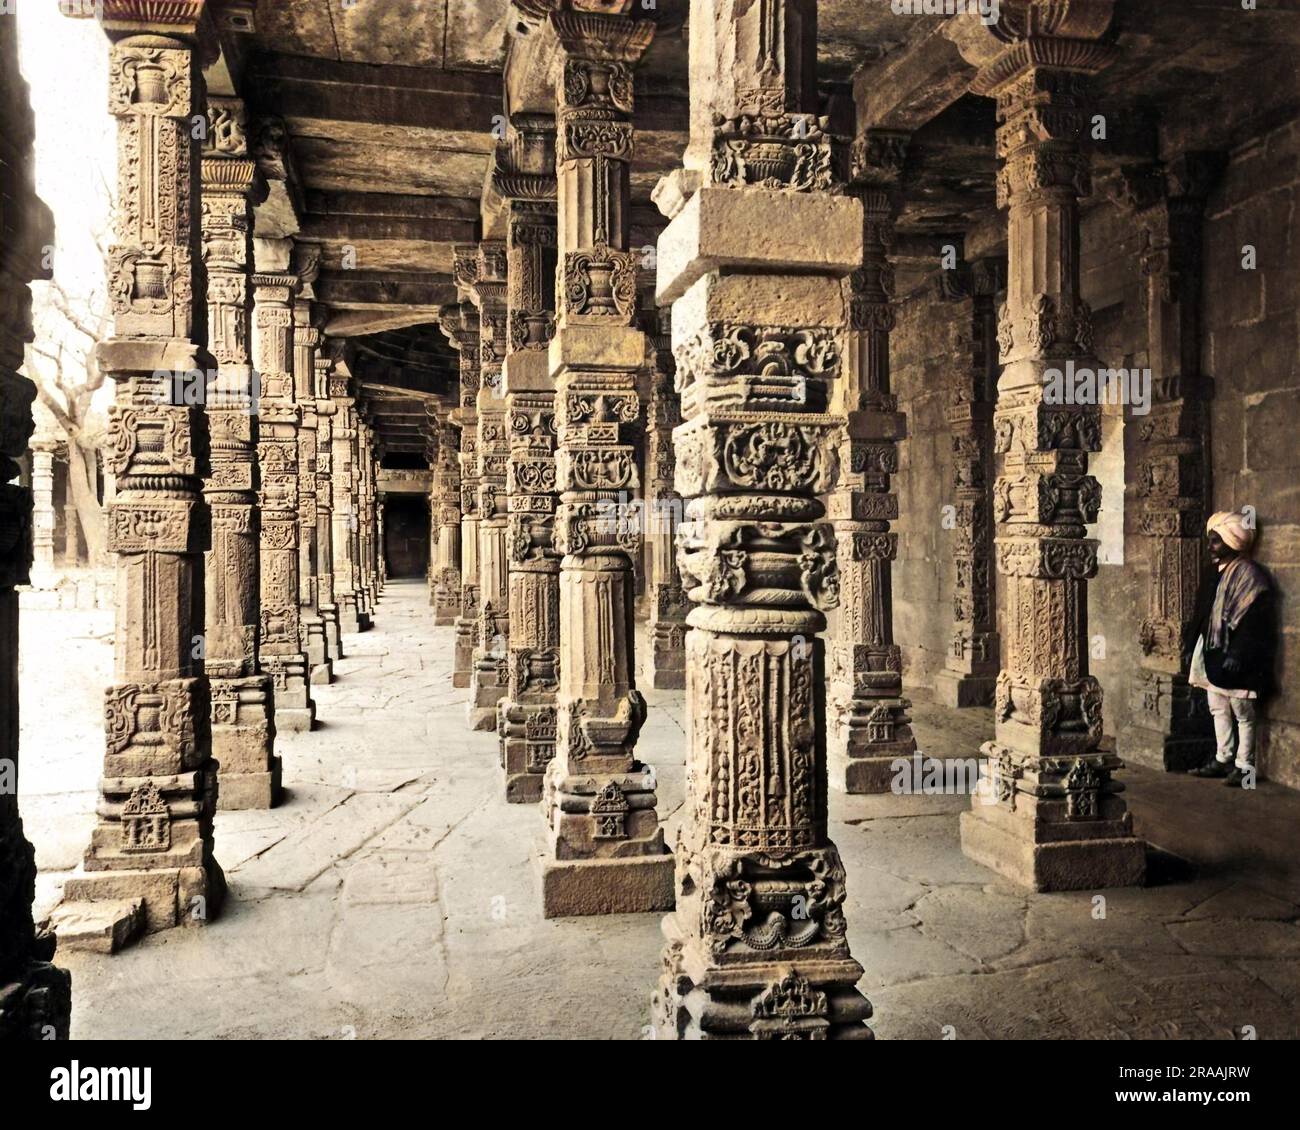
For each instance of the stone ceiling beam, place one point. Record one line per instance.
(419, 103)
(908, 88)
(352, 290)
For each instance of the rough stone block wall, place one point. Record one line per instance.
(1251, 351)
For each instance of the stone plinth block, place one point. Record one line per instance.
(1070, 865)
(98, 927)
(183, 896)
(597, 347)
(528, 370)
(607, 886)
(760, 229)
(960, 691)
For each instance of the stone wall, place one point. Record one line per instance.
(1250, 349)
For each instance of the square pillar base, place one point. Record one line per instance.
(1063, 865)
(771, 995)
(239, 791)
(607, 886)
(329, 613)
(861, 775)
(960, 691)
(171, 896)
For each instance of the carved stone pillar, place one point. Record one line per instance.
(444, 571)
(365, 531)
(459, 321)
(281, 652)
(1172, 725)
(352, 616)
(35, 997)
(43, 509)
(971, 667)
(1049, 813)
(663, 509)
(243, 699)
(305, 340)
(326, 604)
(757, 947)
(153, 837)
(869, 723)
(525, 177)
(605, 849)
(484, 278)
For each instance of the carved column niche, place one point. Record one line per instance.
(444, 573)
(243, 699)
(281, 651)
(1172, 725)
(757, 947)
(326, 602)
(1049, 813)
(352, 614)
(869, 724)
(35, 997)
(971, 667)
(484, 278)
(605, 850)
(668, 603)
(525, 177)
(150, 855)
(459, 322)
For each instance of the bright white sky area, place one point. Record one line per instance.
(65, 62)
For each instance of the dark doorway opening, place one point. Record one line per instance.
(406, 535)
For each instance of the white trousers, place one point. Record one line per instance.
(1225, 708)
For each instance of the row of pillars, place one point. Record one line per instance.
(770, 417)
(787, 439)
(244, 523)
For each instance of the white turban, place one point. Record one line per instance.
(1232, 528)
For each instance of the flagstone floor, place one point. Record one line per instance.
(395, 893)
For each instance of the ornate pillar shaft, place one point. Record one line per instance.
(352, 617)
(870, 726)
(362, 535)
(281, 651)
(1049, 812)
(444, 571)
(35, 996)
(326, 604)
(306, 339)
(1172, 726)
(153, 835)
(483, 276)
(459, 321)
(243, 699)
(525, 176)
(757, 945)
(605, 846)
(42, 508)
(667, 597)
(971, 666)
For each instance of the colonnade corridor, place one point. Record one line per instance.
(394, 893)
